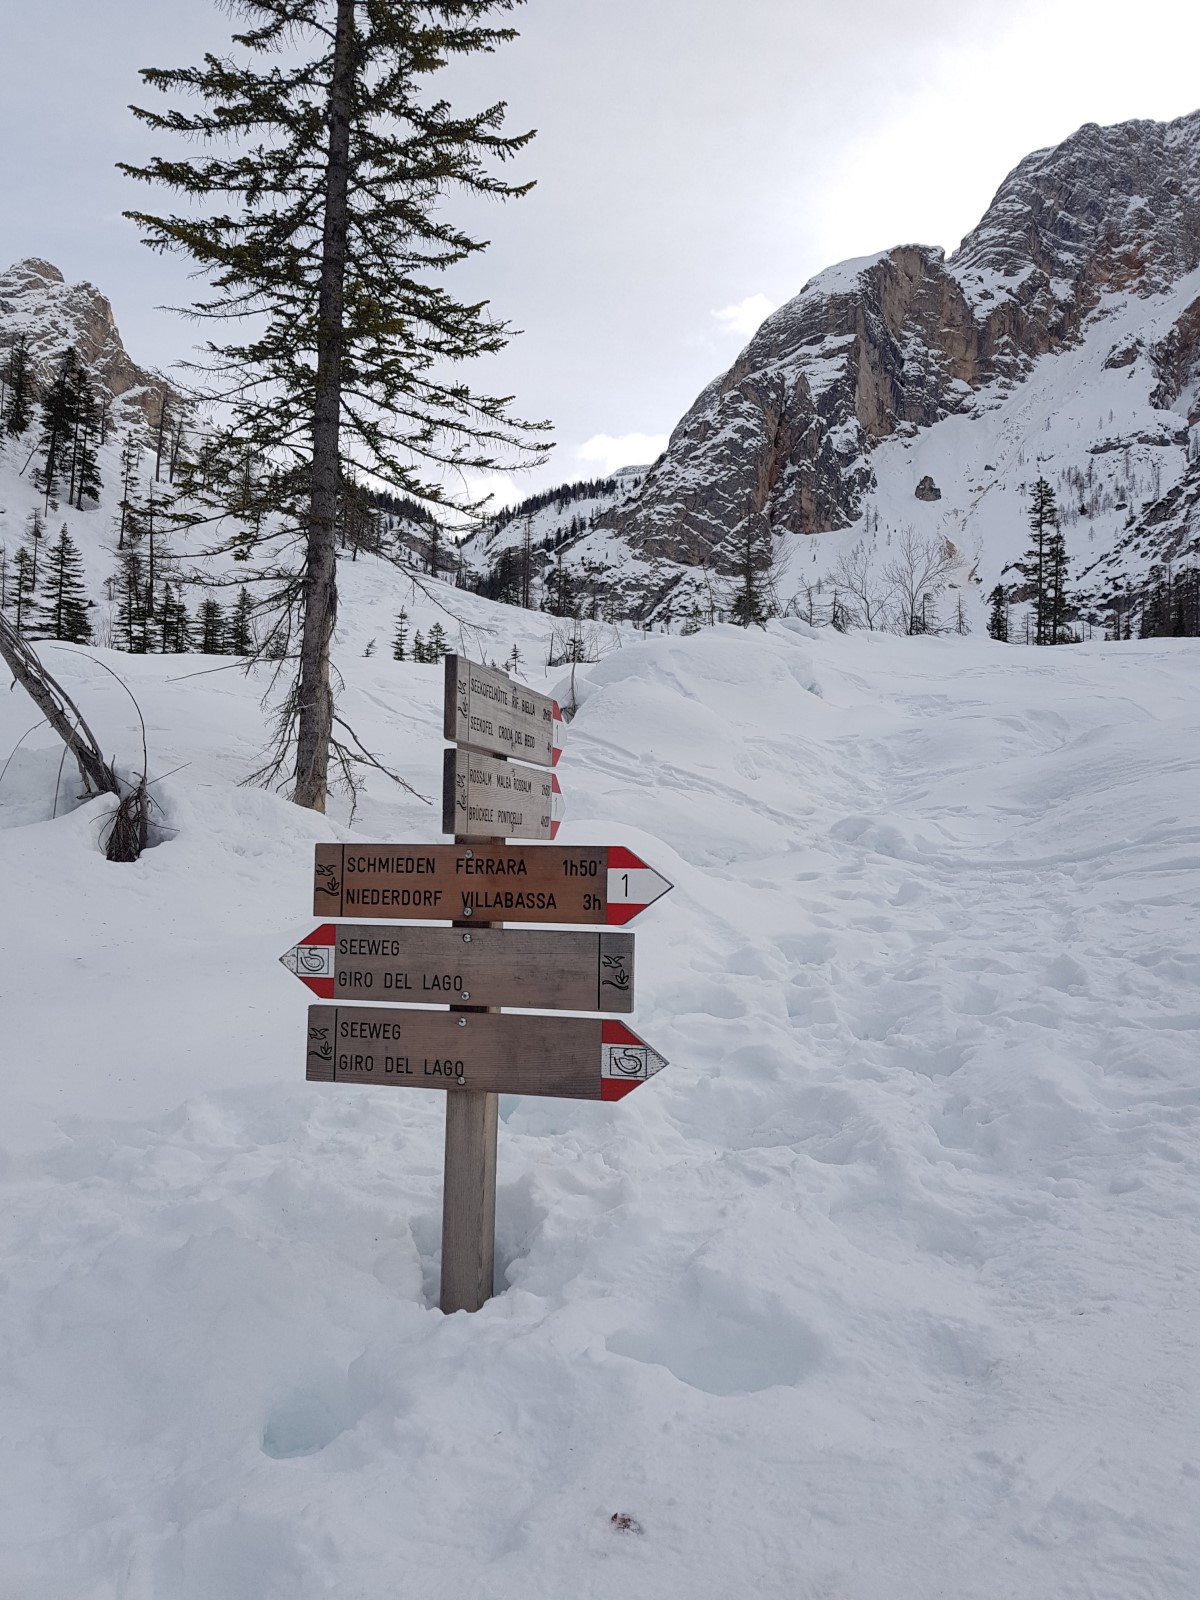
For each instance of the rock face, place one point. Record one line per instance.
(927, 489)
(896, 342)
(36, 300)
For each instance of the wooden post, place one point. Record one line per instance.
(469, 1200)
(469, 1183)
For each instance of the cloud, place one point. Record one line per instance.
(745, 317)
(628, 450)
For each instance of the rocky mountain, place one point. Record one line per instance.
(36, 300)
(912, 389)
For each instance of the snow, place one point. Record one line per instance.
(885, 1287)
(842, 277)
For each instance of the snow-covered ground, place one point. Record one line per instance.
(885, 1290)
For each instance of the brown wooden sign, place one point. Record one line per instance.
(491, 882)
(486, 710)
(560, 971)
(486, 798)
(573, 1058)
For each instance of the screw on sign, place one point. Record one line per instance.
(498, 785)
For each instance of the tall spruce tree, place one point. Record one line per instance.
(400, 637)
(240, 638)
(129, 588)
(60, 414)
(23, 589)
(998, 615)
(35, 533)
(131, 454)
(561, 591)
(320, 206)
(18, 402)
(1036, 566)
(1056, 588)
(753, 600)
(172, 625)
(212, 628)
(64, 609)
(85, 462)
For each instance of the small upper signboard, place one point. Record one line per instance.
(485, 798)
(486, 710)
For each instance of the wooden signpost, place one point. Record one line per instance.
(606, 885)
(486, 710)
(575, 1058)
(498, 785)
(557, 971)
(483, 797)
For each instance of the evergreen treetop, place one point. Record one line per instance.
(319, 216)
(17, 404)
(64, 609)
(998, 615)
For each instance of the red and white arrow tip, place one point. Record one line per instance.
(626, 1061)
(632, 885)
(312, 960)
(557, 806)
(556, 734)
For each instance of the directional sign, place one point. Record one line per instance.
(452, 966)
(484, 798)
(574, 1058)
(488, 711)
(493, 882)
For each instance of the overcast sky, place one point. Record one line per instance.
(697, 161)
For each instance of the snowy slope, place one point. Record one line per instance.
(885, 1288)
(1086, 420)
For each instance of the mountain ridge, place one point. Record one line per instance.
(1079, 271)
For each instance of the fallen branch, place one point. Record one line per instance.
(59, 710)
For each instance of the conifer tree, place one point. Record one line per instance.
(173, 625)
(436, 644)
(127, 504)
(418, 649)
(64, 609)
(1056, 588)
(85, 463)
(162, 433)
(129, 590)
(241, 626)
(35, 533)
(320, 207)
(561, 591)
(60, 410)
(998, 616)
(211, 624)
(23, 589)
(752, 600)
(17, 406)
(1043, 520)
(433, 547)
(400, 637)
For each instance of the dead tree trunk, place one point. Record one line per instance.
(59, 710)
